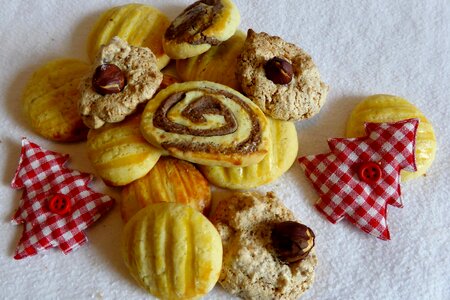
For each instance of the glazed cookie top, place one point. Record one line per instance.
(200, 25)
(123, 77)
(280, 77)
(255, 265)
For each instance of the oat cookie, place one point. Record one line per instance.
(203, 24)
(280, 78)
(123, 76)
(252, 268)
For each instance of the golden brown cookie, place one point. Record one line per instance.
(206, 123)
(122, 77)
(170, 180)
(264, 256)
(119, 153)
(282, 153)
(388, 108)
(203, 24)
(51, 98)
(172, 251)
(218, 64)
(139, 25)
(280, 78)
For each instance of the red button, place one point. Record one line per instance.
(370, 172)
(59, 204)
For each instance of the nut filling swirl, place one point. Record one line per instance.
(195, 112)
(206, 123)
(196, 18)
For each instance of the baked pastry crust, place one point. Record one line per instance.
(206, 123)
(170, 180)
(138, 24)
(50, 100)
(201, 25)
(142, 80)
(251, 268)
(282, 154)
(301, 98)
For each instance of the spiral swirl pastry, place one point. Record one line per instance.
(206, 123)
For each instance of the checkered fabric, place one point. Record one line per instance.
(42, 175)
(343, 194)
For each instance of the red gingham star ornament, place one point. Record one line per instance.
(56, 204)
(361, 176)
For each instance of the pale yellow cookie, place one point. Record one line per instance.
(138, 24)
(388, 108)
(51, 98)
(201, 25)
(206, 123)
(282, 153)
(170, 180)
(218, 64)
(261, 259)
(172, 251)
(119, 153)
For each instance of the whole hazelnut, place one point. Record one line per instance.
(292, 241)
(108, 79)
(278, 70)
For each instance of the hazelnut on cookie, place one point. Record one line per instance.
(123, 77)
(203, 24)
(280, 77)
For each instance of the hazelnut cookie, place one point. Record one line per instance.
(280, 78)
(266, 253)
(123, 77)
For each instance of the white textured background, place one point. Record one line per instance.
(360, 47)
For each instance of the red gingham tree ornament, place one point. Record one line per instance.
(56, 204)
(361, 176)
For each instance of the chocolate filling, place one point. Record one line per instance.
(207, 104)
(196, 18)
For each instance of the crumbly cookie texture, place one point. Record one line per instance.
(251, 268)
(142, 80)
(301, 98)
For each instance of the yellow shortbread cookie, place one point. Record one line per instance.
(170, 180)
(138, 24)
(206, 123)
(172, 251)
(387, 108)
(119, 153)
(203, 24)
(282, 153)
(51, 98)
(218, 64)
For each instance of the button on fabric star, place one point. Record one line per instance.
(361, 176)
(56, 205)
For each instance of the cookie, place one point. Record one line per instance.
(123, 76)
(170, 180)
(172, 251)
(119, 153)
(257, 233)
(51, 98)
(388, 108)
(218, 64)
(138, 24)
(201, 25)
(206, 123)
(282, 153)
(280, 78)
